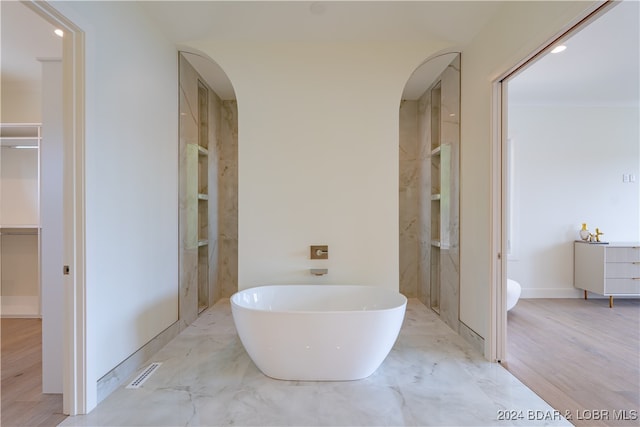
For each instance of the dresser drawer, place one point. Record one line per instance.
(629, 254)
(622, 270)
(622, 287)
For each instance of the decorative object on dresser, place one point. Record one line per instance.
(611, 269)
(584, 232)
(586, 236)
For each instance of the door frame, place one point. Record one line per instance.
(75, 383)
(496, 349)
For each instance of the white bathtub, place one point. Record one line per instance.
(318, 332)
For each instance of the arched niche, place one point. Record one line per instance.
(429, 186)
(208, 185)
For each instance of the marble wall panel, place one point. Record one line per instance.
(188, 254)
(214, 194)
(450, 135)
(227, 279)
(424, 203)
(409, 197)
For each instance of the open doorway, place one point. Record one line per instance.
(33, 304)
(571, 156)
(68, 85)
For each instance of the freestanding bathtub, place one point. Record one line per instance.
(318, 332)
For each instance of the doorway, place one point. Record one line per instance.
(32, 225)
(70, 296)
(559, 170)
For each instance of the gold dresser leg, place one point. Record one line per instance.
(610, 301)
(585, 294)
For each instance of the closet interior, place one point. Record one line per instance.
(20, 219)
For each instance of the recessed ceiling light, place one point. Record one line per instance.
(59, 32)
(558, 48)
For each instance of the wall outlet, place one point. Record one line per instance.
(625, 177)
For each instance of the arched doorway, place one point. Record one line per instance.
(208, 185)
(429, 186)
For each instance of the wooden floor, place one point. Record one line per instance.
(580, 356)
(23, 403)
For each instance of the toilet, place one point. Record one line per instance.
(513, 293)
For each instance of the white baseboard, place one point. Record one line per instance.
(531, 293)
(551, 293)
(20, 306)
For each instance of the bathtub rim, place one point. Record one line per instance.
(402, 304)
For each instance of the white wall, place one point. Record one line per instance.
(515, 32)
(20, 103)
(318, 157)
(131, 181)
(568, 167)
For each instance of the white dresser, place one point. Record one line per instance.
(611, 269)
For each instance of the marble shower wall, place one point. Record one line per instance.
(424, 202)
(417, 265)
(409, 198)
(188, 252)
(227, 259)
(222, 185)
(450, 255)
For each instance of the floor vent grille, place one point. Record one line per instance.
(144, 375)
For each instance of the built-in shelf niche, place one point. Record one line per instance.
(436, 197)
(203, 197)
(20, 135)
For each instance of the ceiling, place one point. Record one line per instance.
(601, 65)
(25, 37)
(322, 21)
(608, 44)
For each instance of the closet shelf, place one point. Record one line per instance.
(436, 151)
(203, 242)
(20, 135)
(19, 231)
(203, 196)
(202, 151)
(435, 196)
(20, 130)
(435, 243)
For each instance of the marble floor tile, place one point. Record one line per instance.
(431, 377)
